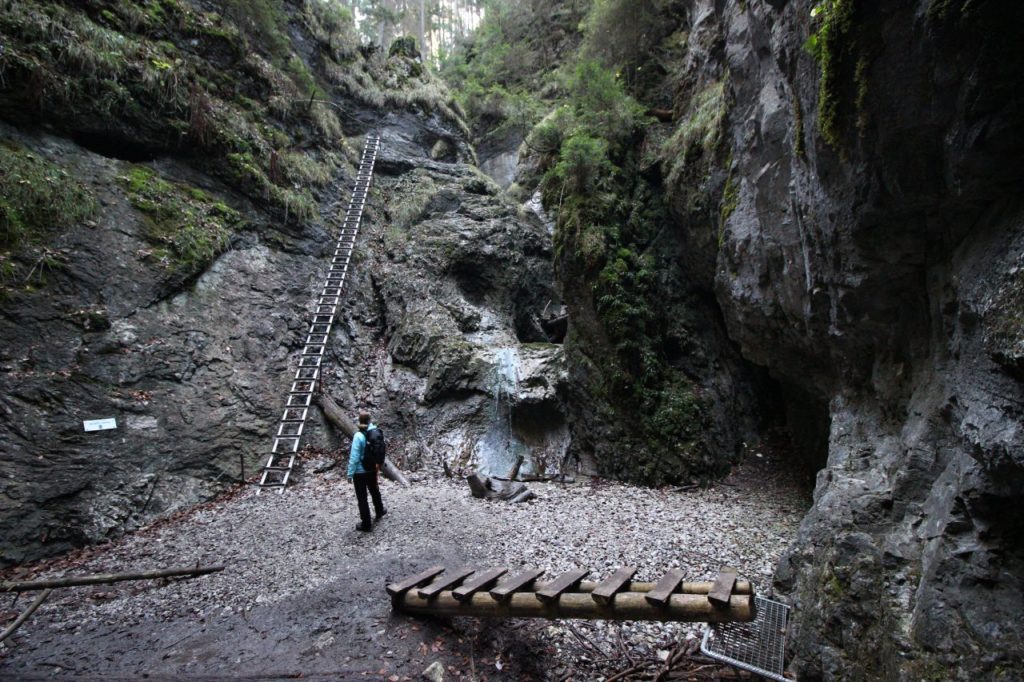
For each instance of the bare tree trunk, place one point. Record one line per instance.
(29, 585)
(423, 45)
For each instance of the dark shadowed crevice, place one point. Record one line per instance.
(114, 146)
(809, 423)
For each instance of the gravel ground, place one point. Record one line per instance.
(302, 592)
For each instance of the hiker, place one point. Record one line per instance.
(362, 470)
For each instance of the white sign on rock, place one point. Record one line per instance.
(100, 424)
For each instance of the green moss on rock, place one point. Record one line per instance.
(37, 197)
(188, 227)
(836, 49)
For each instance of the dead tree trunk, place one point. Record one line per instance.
(336, 416)
(25, 616)
(484, 487)
(515, 468)
(28, 585)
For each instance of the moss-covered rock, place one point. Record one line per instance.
(188, 227)
(39, 199)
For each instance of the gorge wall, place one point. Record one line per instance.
(832, 186)
(826, 218)
(872, 261)
(173, 174)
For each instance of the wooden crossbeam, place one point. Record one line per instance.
(520, 581)
(561, 584)
(478, 582)
(445, 582)
(722, 589)
(665, 587)
(616, 582)
(421, 578)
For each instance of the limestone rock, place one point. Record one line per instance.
(434, 672)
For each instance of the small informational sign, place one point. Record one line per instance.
(100, 424)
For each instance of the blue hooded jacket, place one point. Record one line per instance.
(355, 455)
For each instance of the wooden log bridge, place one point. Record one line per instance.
(494, 593)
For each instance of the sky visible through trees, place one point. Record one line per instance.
(436, 24)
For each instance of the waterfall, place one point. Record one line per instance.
(505, 384)
(497, 450)
(536, 204)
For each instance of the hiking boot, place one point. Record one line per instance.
(380, 516)
(364, 527)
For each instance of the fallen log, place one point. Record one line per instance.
(25, 616)
(479, 485)
(515, 468)
(336, 416)
(487, 488)
(29, 585)
(663, 115)
(623, 606)
(523, 495)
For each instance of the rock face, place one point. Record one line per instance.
(188, 373)
(441, 339)
(456, 283)
(880, 280)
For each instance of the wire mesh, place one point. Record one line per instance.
(758, 646)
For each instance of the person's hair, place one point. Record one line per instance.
(364, 419)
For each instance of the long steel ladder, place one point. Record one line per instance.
(288, 436)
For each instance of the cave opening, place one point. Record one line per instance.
(797, 417)
(543, 428)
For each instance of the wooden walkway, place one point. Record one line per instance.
(498, 594)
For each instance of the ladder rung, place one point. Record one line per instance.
(302, 386)
(291, 428)
(294, 414)
(280, 445)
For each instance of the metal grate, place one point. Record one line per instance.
(758, 646)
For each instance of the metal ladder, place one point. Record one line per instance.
(300, 396)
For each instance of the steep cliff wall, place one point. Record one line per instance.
(172, 176)
(872, 261)
(844, 177)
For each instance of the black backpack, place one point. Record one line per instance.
(373, 453)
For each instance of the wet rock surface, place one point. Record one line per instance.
(302, 592)
(442, 336)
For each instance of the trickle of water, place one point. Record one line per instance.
(506, 384)
(536, 204)
(495, 451)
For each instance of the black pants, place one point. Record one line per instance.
(364, 482)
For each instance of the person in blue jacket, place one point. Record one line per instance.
(364, 480)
